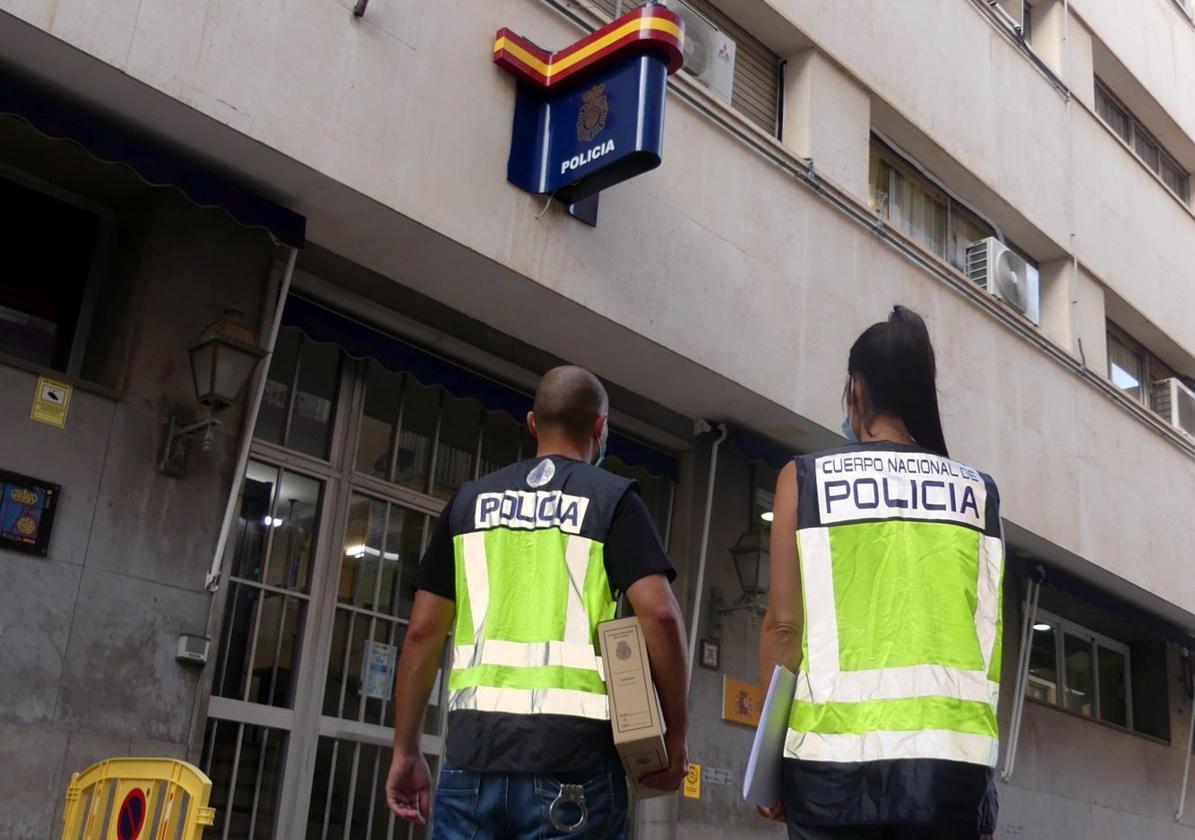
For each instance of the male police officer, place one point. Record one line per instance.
(529, 559)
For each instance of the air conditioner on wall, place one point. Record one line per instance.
(1176, 402)
(993, 265)
(709, 53)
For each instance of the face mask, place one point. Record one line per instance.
(601, 456)
(848, 431)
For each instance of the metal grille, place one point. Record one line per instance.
(244, 763)
(757, 81)
(348, 799)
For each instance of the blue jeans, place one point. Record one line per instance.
(514, 806)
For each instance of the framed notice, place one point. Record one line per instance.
(26, 512)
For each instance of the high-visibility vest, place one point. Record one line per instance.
(901, 558)
(531, 588)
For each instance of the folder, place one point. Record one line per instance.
(761, 784)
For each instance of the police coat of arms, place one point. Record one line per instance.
(592, 118)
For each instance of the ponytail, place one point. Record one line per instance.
(894, 362)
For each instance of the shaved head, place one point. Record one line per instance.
(568, 401)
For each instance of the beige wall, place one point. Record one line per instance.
(717, 256)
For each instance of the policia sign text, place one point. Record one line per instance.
(853, 486)
(591, 115)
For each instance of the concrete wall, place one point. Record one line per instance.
(87, 668)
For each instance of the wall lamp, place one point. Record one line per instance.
(752, 564)
(222, 359)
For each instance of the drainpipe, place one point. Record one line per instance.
(1018, 703)
(1182, 796)
(238, 477)
(695, 613)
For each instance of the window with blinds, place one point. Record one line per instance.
(756, 93)
(1129, 129)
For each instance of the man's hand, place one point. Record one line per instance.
(408, 787)
(678, 767)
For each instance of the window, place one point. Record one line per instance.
(298, 403)
(757, 83)
(1080, 670)
(51, 241)
(1126, 366)
(1132, 368)
(1129, 129)
(909, 202)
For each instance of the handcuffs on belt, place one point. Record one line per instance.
(569, 794)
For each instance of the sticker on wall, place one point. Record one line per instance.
(741, 702)
(26, 512)
(717, 776)
(377, 665)
(51, 401)
(692, 786)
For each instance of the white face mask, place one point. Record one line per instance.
(601, 455)
(848, 431)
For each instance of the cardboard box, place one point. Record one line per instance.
(634, 706)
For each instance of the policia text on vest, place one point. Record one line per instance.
(901, 559)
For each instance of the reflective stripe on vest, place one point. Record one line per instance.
(528, 605)
(901, 637)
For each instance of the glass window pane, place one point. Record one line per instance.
(420, 406)
(253, 522)
(460, 425)
(1125, 368)
(1043, 667)
(379, 421)
(918, 214)
(1174, 177)
(879, 180)
(275, 659)
(296, 514)
(362, 551)
(311, 422)
(499, 441)
(1147, 150)
(1114, 706)
(1080, 676)
(271, 417)
(1111, 113)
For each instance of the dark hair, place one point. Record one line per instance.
(568, 400)
(894, 364)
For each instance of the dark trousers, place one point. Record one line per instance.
(880, 832)
(514, 806)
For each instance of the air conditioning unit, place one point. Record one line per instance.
(1176, 402)
(709, 53)
(993, 265)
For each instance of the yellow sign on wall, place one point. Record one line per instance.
(51, 401)
(692, 786)
(741, 702)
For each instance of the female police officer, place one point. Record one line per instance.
(887, 560)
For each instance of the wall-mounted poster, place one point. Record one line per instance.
(26, 512)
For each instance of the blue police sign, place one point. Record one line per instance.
(591, 115)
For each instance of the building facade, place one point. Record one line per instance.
(1015, 171)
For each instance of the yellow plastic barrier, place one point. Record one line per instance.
(138, 799)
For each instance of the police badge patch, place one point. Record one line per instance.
(592, 118)
(541, 473)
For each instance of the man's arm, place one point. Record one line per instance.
(780, 635)
(664, 631)
(409, 784)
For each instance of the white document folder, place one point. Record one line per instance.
(761, 785)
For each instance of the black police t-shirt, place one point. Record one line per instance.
(503, 743)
